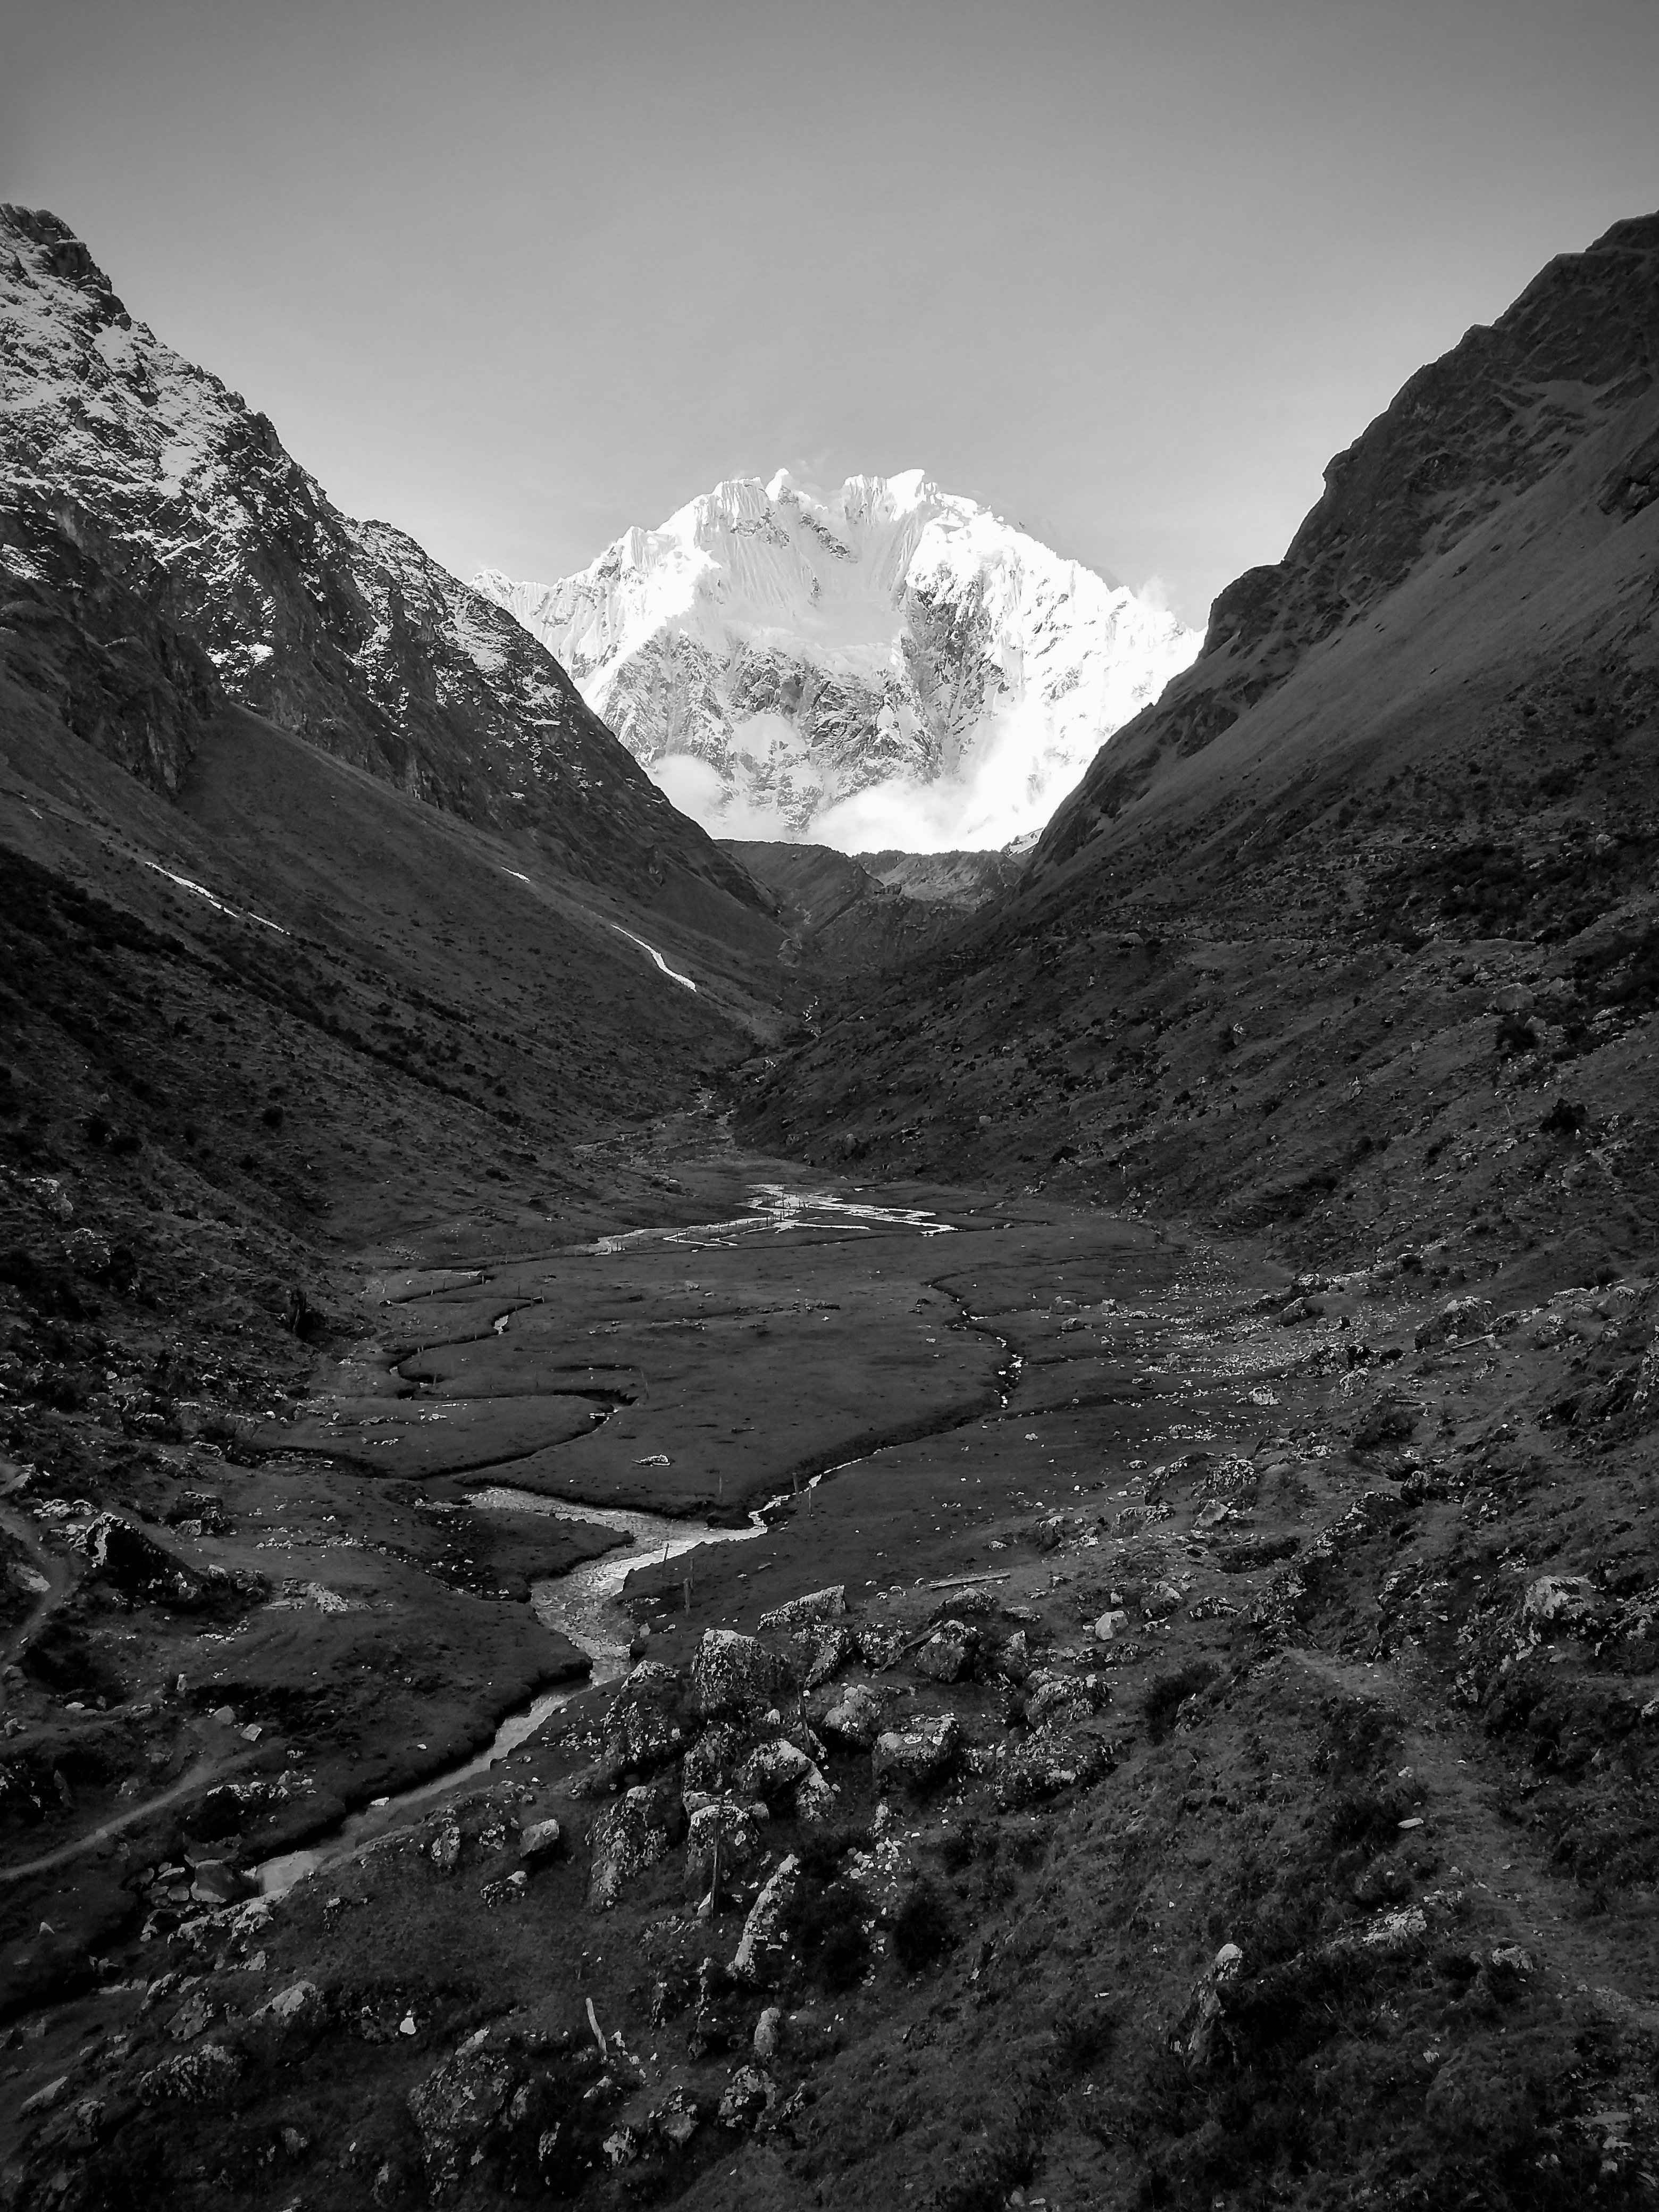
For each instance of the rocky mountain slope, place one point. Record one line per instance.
(142, 473)
(882, 663)
(1352, 934)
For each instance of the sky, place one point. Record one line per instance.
(518, 275)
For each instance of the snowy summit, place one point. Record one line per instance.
(885, 664)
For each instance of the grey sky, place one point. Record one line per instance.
(515, 275)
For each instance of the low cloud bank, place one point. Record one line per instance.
(1008, 783)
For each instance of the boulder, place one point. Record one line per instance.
(1162, 1600)
(745, 2098)
(772, 1770)
(628, 1836)
(455, 2108)
(674, 2119)
(855, 1718)
(918, 1756)
(444, 1849)
(644, 1724)
(1455, 1323)
(540, 1842)
(738, 1845)
(1558, 1601)
(802, 1612)
(827, 1650)
(713, 1760)
(1201, 2027)
(1043, 1765)
(768, 2034)
(738, 1675)
(1013, 1658)
(1064, 1701)
(763, 1950)
(1112, 1625)
(815, 1800)
(216, 1881)
(949, 1653)
(298, 2003)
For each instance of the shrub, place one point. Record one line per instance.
(1166, 1693)
(921, 1927)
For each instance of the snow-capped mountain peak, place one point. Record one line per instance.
(884, 664)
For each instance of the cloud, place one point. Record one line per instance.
(1155, 592)
(1007, 783)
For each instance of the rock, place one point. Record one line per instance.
(454, 2107)
(738, 1844)
(1063, 1701)
(1044, 1765)
(746, 2097)
(800, 1611)
(879, 1641)
(828, 1649)
(715, 1758)
(628, 1836)
(1558, 1601)
(446, 1846)
(216, 1882)
(1113, 1624)
(193, 2078)
(45, 2099)
(763, 1949)
(540, 1841)
(772, 1769)
(855, 1717)
(1512, 1959)
(1202, 2023)
(917, 1756)
(736, 1675)
(508, 1889)
(949, 1653)
(1163, 1599)
(621, 2146)
(298, 2002)
(1013, 1659)
(1455, 1323)
(193, 2018)
(675, 2120)
(644, 1723)
(815, 1800)
(768, 2034)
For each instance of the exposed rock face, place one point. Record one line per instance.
(455, 2108)
(800, 649)
(135, 481)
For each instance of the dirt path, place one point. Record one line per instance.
(204, 1771)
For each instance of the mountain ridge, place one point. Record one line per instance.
(881, 656)
(345, 632)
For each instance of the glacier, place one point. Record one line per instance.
(885, 664)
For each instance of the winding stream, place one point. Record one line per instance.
(582, 1604)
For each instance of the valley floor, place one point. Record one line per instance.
(1213, 1766)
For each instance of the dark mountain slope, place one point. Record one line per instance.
(343, 632)
(1356, 928)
